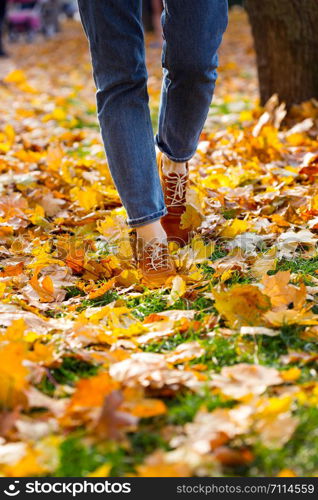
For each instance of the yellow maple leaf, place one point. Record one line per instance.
(148, 408)
(90, 393)
(2, 289)
(101, 290)
(128, 277)
(179, 288)
(16, 76)
(281, 293)
(291, 375)
(234, 228)
(45, 288)
(42, 353)
(107, 227)
(13, 374)
(87, 198)
(10, 133)
(191, 218)
(55, 157)
(242, 305)
(15, 331)
(27, 466)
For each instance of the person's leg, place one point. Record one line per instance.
(115, 34)
(193, 31)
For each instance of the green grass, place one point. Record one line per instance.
(298, 265)
(79, 457)
(154, 302)
(171, 343)
(73, 291)
(183, 407)
(101, 301)
(69, 372)
(229, 213)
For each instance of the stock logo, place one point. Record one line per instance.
(13, 491)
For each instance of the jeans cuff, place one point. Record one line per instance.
(173, 158)
(142, 221)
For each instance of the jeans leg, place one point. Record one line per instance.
(116, 41)
(193, 31)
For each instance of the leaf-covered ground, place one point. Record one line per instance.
(214, 374)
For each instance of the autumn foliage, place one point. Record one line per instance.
(215, 374)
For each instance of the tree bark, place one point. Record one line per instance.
(286, 42)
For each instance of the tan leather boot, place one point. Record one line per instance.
(174, 186)
(155, 262)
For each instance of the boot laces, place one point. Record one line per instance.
(176, 188)
(157, 257)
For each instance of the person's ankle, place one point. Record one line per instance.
(151, 232)
(170, 166)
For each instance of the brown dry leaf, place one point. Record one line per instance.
(28, 430)
(277, 430)
(234, 261)
(288, 242)
(258, 330)
(10, 313)
(299, 357)
(8, 420)
(10, 453)
(242, 380)
(242, 305)
(208, 431)
(283, 295)
(185, 352)
(151, 371)
(229, 457)
(264, 263)
(137, 405)
(51, 205)
(37, 399)
(290, 317)
(165, 324)
(157, 465)
(111, 422)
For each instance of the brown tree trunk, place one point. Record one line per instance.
(286, 42)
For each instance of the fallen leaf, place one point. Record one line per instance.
(242, 305)
(242, 380)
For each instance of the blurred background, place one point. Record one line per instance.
(285, 38)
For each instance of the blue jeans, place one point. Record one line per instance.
(193, 31)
